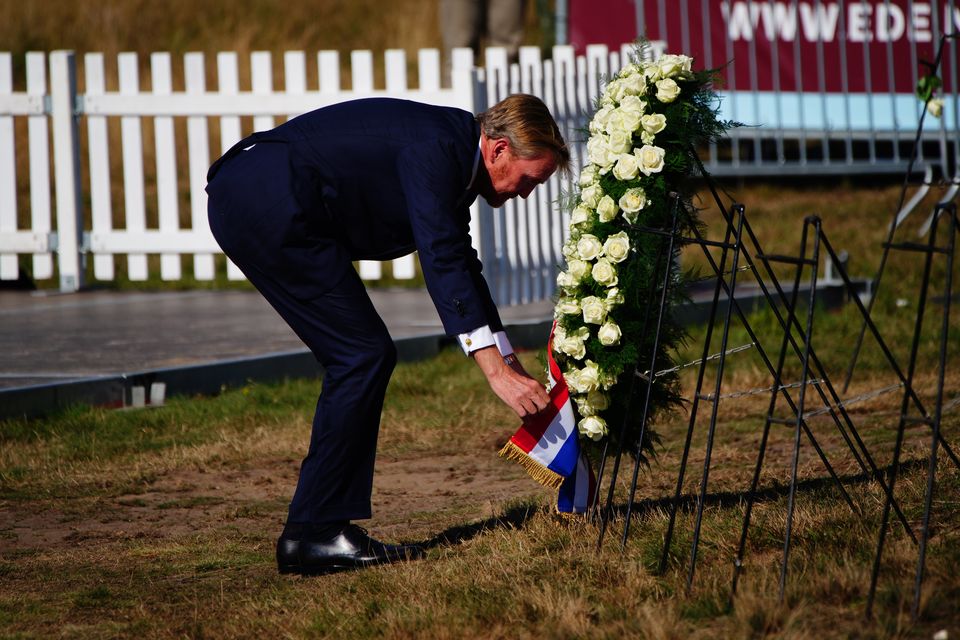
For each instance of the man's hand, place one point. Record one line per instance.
(525, 395)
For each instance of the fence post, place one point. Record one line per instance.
(470, 83)
(66, 163)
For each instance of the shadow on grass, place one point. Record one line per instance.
(513, 518)
(771, 493)
(517, 517)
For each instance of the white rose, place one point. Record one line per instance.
(609, 334)
(578, 269)
(569, 249)
(935, 107)
(626, 121)
(608, 381)
(614, 124)
(580, 215)
(565, 280)
(600, 118)
(590, 196)
(650, 159)
(653, 123)
(617, 247)
(584, 407)
(669, 66)
(633, 200)
(588, 175)
(588, 247)
(572, 378)
(598, 150)
(604, 273)
(633, 85)
(594, 311)
(573, 347)
(559, 333)
(589, 377)
(620, 142)
(633, 104)
(593, 427)
(626, 167)
(607, 208)
(568, 306)
(616, 90)
(614, 298)
(628, 70)
(667, 90)
(630, 120)
(598, 400)
(651, 70)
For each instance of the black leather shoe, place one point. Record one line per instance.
(287, 554)
(351, 548)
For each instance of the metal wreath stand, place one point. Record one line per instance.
(740, 244)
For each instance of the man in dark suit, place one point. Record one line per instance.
(373, 179)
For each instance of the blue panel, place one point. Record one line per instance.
(830, 111)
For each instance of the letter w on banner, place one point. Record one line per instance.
(547, 447)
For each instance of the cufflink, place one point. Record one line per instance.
(468, 342)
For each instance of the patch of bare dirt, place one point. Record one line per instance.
(413, 498)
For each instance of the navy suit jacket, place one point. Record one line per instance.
(381, 178)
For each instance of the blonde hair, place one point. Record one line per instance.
(526, 123)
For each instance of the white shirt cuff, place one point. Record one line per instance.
(484, 337)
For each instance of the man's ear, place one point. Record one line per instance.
(500, 146)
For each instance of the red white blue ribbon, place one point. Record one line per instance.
(547, 446)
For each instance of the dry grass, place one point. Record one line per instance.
(165, 522)
(178, 26)
(160, 523)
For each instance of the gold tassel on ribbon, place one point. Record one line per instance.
(537, 471)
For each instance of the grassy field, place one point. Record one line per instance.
(161, 522)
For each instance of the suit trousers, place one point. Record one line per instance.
(260, 223)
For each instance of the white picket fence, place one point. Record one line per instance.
(97, 214)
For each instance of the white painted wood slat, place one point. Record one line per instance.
(198, 151)
(328, 71)
(294, 74)
(133, 181)
(172, 242)
(38, 140)
(9, 269)
(228, 78)
(536, 205)
(66, 153)
(261, 75)
(98, 154)
(166, 157)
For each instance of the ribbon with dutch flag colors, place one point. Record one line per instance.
(547, 446)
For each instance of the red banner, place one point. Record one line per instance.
(787, 45)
